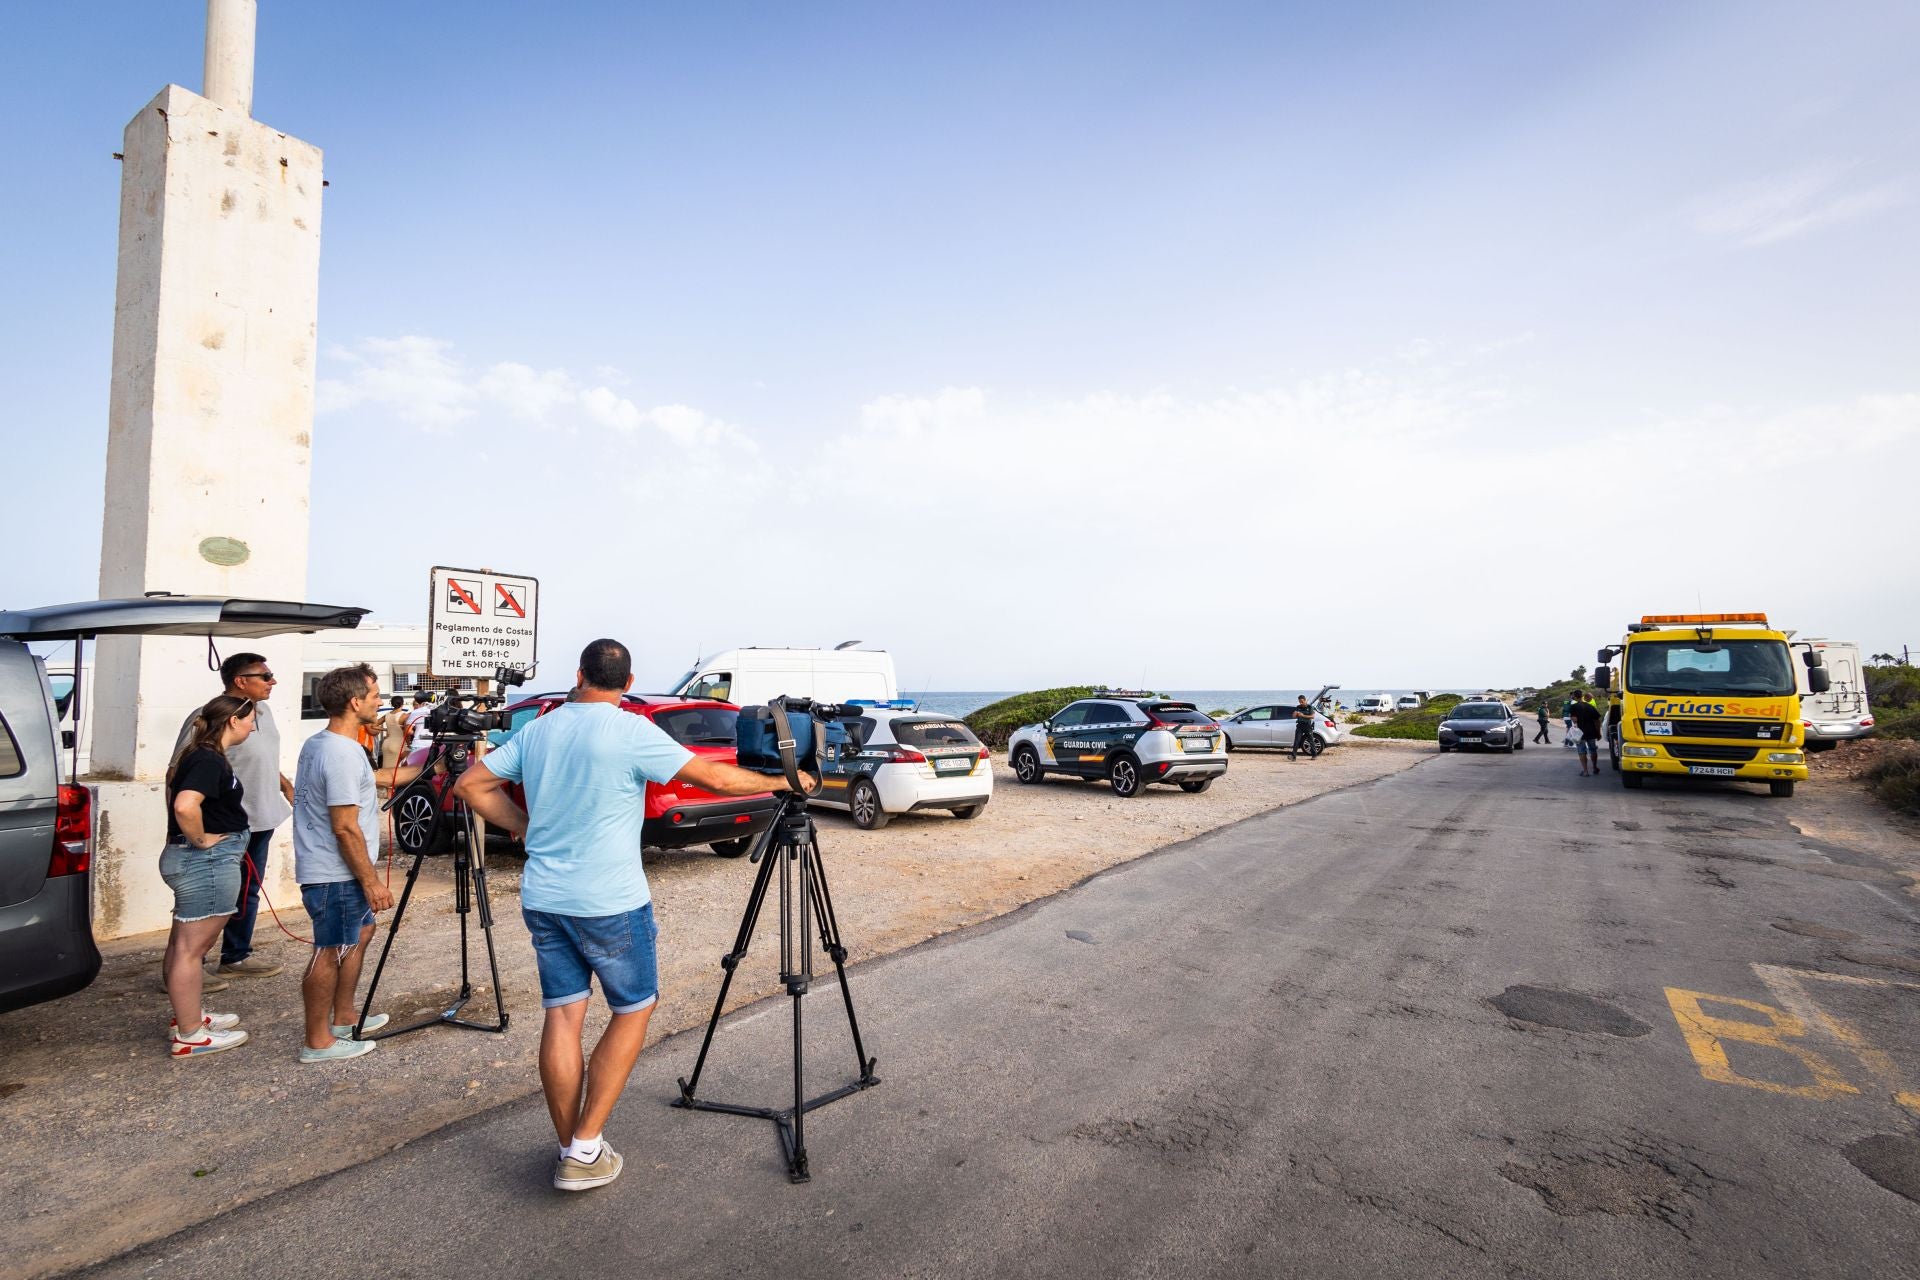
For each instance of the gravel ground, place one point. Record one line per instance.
(146, 1146)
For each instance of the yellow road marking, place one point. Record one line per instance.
(1707, 1035)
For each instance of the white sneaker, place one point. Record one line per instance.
(338, 1051)
(344, 1031)
(217, 1021)
(206, 1041)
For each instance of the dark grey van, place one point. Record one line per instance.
(46, 817)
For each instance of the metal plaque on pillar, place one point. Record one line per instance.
(479, 620)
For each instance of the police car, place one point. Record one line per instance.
(1128, 738)
(896, 759)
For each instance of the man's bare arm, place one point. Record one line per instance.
(731, 780)
(345, 821)
(486, 795)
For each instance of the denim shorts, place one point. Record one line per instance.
(205, 882)
(618, 950)
(339, 911)
(1589, 747)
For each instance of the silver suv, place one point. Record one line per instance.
(46, 818)
(1130, 739)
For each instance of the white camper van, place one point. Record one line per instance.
(1841, 712)
(748, 677)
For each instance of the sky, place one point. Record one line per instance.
(1200, 345)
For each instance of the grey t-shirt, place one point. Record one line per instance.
(332, 771)
(256, 762)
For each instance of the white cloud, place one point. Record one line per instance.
(414, 378)
(1792, 204)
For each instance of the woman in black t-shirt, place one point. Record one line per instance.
(206, 840)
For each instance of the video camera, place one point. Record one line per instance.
(469, 715)
(790, 736)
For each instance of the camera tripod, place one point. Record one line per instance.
(469, 887)
(791, 849)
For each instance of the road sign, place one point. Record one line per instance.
(478, 620)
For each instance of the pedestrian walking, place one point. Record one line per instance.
(1541, 735)
(206, 843)
(1587, 716)
(336, 832)
(393, 727)
(269, 802)
(585, 766)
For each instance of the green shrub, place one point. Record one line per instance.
(1422, 725)
(1894, 686)
(1895, 776)
(1899, 723)
(993, 723)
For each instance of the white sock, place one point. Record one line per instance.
(585, 1150)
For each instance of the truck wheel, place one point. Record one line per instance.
(863, 802)
(1026, 765)
(1632, 781)
(732, 848)
(1781, 789)
(1196, 786)
(1123, 775)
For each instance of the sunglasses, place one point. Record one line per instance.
(268, 676)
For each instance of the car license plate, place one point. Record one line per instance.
(953, 764)
(1713, 770)
(1199, 744)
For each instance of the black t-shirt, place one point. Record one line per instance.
(207, 771)
(1302, 716)
(1587, 716)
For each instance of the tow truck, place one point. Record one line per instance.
(1710, 695)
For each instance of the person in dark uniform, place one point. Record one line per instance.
(1302, 728)
(1586, 717)
(1542, 735)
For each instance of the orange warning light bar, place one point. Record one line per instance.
(1689, 619)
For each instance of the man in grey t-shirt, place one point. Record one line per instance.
(336, 838)
(267, 800)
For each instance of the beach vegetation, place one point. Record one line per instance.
(1422, 724)
(994, 723)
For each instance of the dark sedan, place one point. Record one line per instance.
(1491, 725)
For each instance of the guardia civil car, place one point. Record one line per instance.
(1129, 738)
(897, 759)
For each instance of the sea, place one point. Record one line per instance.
(966, 702)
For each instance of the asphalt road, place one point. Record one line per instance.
(1423, 1027)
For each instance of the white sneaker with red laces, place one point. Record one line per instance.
(206, 1040)
(215, 1021)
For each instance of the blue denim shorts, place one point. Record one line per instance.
(205, 882)
(339, 911)
(618, 950)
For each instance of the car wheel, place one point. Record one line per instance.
(1228, 739)
(1026, 765)
(418, 825)
(1512, 746)
(1196, 786)
(1632, 781)
(1315, 745)
(1521, 742)
(732, 848)
(1444, 748)
(1783, 789)
(1123, 775)
(968, 811)
(863, 802)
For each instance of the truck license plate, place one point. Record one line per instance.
(1712, 770)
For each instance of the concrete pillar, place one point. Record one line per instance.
(229, 68)
(208, 432)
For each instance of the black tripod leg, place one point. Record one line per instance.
(831, 944)
(730, 962)
(478, 871)
(393, 929)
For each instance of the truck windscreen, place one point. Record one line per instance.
(1728, 666)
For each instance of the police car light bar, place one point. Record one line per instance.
(1691, 619)
(1104, 692)
(897, 704)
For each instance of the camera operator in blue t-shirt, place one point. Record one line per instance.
(584, 767)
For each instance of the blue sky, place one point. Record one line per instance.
(1025, 318)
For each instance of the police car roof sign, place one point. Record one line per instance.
(478, 620)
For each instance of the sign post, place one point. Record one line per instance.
(478, 620)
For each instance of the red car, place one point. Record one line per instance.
(678, 814)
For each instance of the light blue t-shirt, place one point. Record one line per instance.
(585, 768)
(332, 771)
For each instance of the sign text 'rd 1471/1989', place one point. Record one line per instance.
(479, 621)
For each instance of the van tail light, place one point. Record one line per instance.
(72, 833)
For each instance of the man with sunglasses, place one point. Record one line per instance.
(267, 799)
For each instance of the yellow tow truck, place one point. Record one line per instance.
(1709, 695)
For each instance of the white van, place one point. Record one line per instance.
(1408, 702)
(748, 677)
(1375, 704)
(1841, 712)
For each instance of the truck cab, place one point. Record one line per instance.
(1710, 695)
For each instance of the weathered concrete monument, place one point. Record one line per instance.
(208, 430)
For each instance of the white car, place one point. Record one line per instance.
(1272, 725)
(1130, 739)
(899, 760)
(1407, 702)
